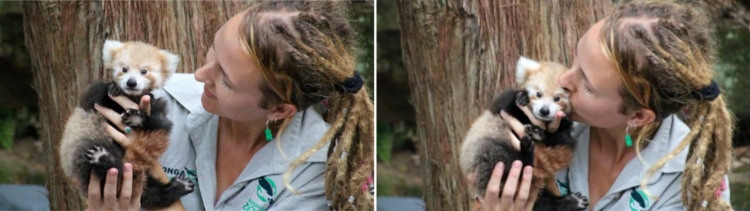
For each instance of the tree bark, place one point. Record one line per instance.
(459, 53)
(64, 40)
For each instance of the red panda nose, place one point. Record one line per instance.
(544, 111)
(131, 83)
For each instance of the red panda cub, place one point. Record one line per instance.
(546, 147)
(137, 68)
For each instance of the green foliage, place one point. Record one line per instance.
(733, 59)
(15, 172)
(395, 185)
(362, 19)
(384, 142)
(7, 128)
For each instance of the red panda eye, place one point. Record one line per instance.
(557, 98)
(143, 72)
(538, 94)
(124, 69)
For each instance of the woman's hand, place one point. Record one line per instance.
(110, 201)
(124, 139)
(508, 200)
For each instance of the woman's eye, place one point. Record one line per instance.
(538, 94)
(124, 69)
(143, 72)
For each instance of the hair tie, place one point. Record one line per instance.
(710, 92)
(352, 85)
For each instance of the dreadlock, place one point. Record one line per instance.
(306, 52)
(664, 54)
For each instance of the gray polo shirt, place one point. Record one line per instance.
(626, 193)
(260, 186)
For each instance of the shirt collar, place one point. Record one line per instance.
(667, 138)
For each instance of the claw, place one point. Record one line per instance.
(522, 98)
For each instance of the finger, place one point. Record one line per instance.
(523, 190)
(127, 185)
(492, 193)
(110, 188)
(111, 115)
(118, 136)
(556, 122)
(94, 192)
(509, 191)
(124, 102)
(532, 118)
(136, 200)
(146, 104)
(514, 141)
(516, 125)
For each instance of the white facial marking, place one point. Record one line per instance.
(141, 82)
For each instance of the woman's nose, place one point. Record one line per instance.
(565, 81)
(201, 74)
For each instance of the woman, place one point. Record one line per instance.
(246, 130)
(656, 134)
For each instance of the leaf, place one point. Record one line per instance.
(7, 131)
(384, 142)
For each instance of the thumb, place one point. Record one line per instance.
(146, 104)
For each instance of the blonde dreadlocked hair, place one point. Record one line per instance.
(664, 54)
(306, 52)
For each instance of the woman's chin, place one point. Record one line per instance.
(208, 104)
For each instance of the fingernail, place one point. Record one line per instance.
(516, 164)
(528, 169)
(112, 171)
(96, 106)
(128, 167)
(499, 165)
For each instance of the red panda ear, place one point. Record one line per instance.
(170, 60)
(524, 67)
(111, 47)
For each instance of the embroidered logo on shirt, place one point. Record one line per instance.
(638, 200)
(266, 191)
(184, 173)
(563, 187)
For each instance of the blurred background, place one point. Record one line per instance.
(400, 171)
(24, 157)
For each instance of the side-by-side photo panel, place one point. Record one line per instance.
(544, 105)
(187, 105)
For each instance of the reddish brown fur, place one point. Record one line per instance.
(143, 152)
(547, 161)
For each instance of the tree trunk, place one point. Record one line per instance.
(459, 53)
(64, 41)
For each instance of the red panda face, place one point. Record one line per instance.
(545, 103)
(539, 79)
(138, 67)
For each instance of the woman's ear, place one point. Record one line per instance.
(281, 111)
(641, 117)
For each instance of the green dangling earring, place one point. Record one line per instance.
(269, 135)
(628, 139)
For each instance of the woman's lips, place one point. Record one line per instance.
(208, 93)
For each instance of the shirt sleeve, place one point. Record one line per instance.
(310, 182)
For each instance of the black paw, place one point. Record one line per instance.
(527, 151)
(583, 202)
(97, 155)
(522, 98)
(182, 185)
(536, 133)
(134, 117)
(115, 90)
